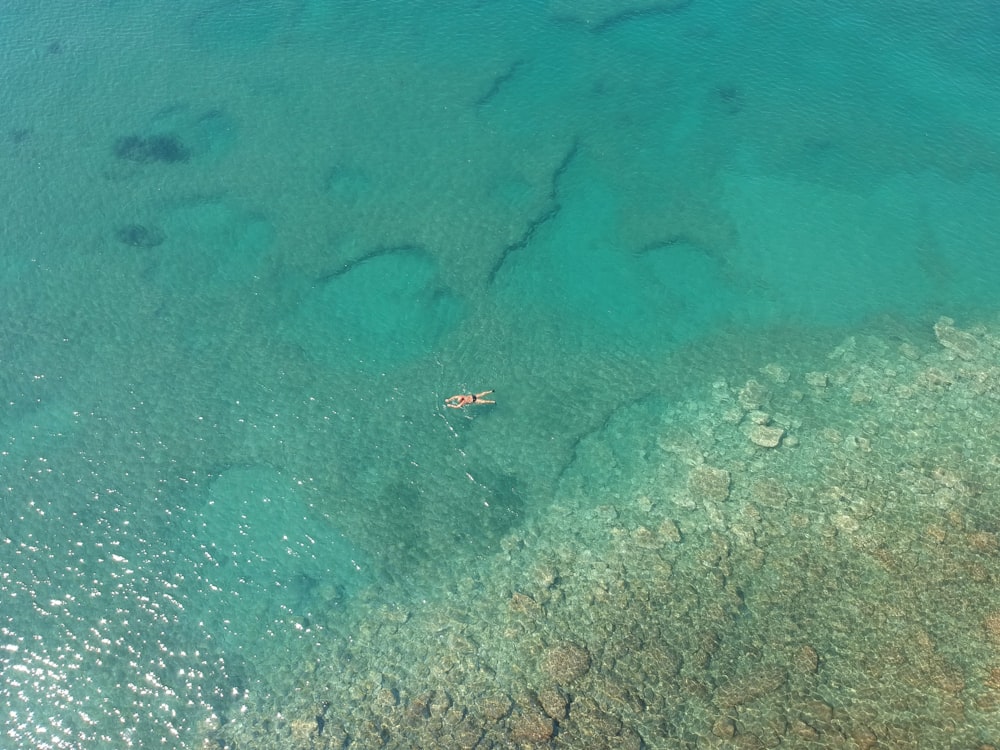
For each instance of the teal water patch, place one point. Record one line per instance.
(95, 614)
(578, 271)
(383, 310)
(260, 533)
(205, 134)
(242, 25)
(175, 135)
(829, 256)
(601, 16)
(136, 610)
(347, 186)
(207, 244)
(614, 459)
(809, 164)
(955, 225)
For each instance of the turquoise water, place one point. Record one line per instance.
(249, 248)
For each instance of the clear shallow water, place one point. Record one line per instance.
(249, 248)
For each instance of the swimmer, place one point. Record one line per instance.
(464, 399)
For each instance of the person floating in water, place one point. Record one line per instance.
(464, 399)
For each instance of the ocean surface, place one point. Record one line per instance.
(730, 267)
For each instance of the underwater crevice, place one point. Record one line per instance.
(550, 213)
(378, 252)
(597, 24)
(599, 428)
(639, 14)
(498, 83)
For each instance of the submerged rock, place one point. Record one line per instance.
(991, 624)
(554, 702)
(766, 436)
(566, 662)
(962, 344)
(495, 707)
(709, 483)
(532, 727)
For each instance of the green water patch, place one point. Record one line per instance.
(385, 309)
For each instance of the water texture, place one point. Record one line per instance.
(730, 268)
